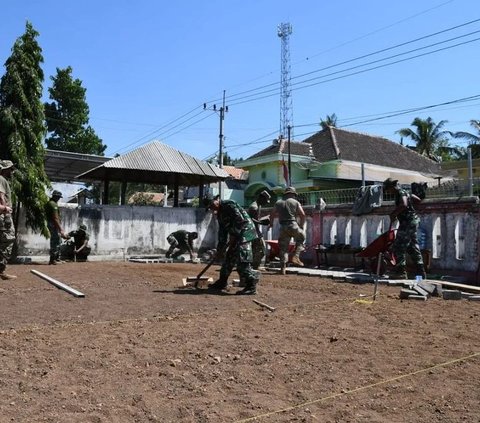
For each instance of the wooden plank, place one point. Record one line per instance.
(270, 308)
(58, 284)
(455, 285)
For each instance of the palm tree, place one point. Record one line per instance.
(330, 120)
(428, 136)
(473, 140)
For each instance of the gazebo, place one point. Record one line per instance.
(154, 163)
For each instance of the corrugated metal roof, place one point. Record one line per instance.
(157, 163)
(64, 166)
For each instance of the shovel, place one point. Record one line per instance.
(195, 280)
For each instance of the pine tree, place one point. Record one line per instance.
(22, 127)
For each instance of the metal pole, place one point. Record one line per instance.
(220, 149)
(289, 128)
(470, 172)
(363, 174)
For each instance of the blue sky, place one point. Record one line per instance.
(148, 66)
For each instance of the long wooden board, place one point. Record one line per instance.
(454, 285)
(58, 284)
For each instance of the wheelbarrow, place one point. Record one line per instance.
(274, 249)
(380, 254)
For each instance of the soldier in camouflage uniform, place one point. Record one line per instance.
(406, 239)
(236, 232)
(182, 242)
(255, 212)
(7, 229)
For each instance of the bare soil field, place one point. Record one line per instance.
(138, 349)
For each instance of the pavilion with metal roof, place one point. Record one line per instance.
(155, 163)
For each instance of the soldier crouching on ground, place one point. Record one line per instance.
(182, 242)
(77, 249)
(235, 235)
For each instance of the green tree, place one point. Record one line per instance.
(330, 120)
(428, 137)
(22, 127)
(473, 139)
(67, 116)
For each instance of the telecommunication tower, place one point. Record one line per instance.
(286, 110)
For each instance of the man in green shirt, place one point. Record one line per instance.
(7, 230)
(54, 226)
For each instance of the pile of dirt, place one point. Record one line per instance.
(138, 348)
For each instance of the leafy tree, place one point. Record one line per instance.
(330, 120)
(473, 140)
(227, 160)
(428, 136)
(67, 117)
(22, 126)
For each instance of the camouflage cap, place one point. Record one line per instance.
(83, 228)
(6, 164)
(290, 190)
(56, 193)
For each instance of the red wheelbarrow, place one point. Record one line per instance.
(274, 249)
(380, 255)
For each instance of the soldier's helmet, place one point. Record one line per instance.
(290, 190)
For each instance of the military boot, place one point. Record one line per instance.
(250, 289)
(250, 286)
(218, 285)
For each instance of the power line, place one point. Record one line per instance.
(374, 118)
(233, 96)
(274, 92)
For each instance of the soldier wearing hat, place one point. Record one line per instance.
(255, 212)
(236, 231)
(406, 239)
(54, 226)
(288, 209)
(77, 249)
(7, 230)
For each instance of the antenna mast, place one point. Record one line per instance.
(286, 110)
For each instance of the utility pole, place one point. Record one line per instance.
(289, 129)
(221, 113)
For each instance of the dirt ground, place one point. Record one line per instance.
(137, 349)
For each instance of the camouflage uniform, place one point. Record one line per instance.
(7, 230)
(182, 241)
(235, 235)
(258, 244)
(406, 240)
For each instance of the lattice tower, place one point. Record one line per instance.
(286, 109)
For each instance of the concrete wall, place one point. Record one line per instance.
(119, 231)
(451, 229)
